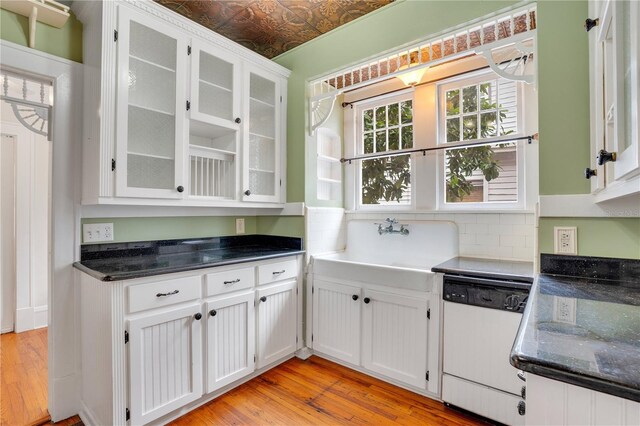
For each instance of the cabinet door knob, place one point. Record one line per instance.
(604, 157)
(213, 312)
(238, 120)
(521, 376)
(522, 408)
(366, 300)
(590, 23)
(247, 192)
(354, 297)
(180, 188)
(263, 299)
(589, 172)
(523, 392)
(198, 316)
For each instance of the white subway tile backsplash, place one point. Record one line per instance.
(489, 218)
(465, 218)
(512, 240)
(476, 228)
(523, 253)
(513, 218)
(525, 230)
(489, 240)
(466, 239)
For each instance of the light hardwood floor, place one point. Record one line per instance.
(297, 392)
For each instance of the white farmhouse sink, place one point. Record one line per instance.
(394, 260)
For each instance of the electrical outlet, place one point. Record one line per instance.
(97, 232)
(565, 239)
(564, 309)
(240, 226)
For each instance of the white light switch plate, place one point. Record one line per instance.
(565, 240)
(240, 226)
(97, 232)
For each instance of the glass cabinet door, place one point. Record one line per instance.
(262, 137)
(214, 86)
(150, 107)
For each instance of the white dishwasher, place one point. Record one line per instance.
(481, 320)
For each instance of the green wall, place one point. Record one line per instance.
(65, 42)
(607, 237)
(158, 228)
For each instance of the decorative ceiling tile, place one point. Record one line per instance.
(271, 27)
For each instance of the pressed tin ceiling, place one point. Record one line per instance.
(271, 27)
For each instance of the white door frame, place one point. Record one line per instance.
(63, 297)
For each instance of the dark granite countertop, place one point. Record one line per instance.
(123, 261)
(595, 343)
(487, 268)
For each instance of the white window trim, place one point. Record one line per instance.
(358, 149)
(468, 80)
(426, 186)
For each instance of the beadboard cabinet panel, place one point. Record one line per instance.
(276, 307)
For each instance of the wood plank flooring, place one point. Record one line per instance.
(23, 378)
(320, 392)
(296, 393)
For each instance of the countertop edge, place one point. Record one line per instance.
(483, 274)
(554, 373)
(110, 278)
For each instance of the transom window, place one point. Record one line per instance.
(386, 125)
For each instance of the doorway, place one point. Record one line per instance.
(25, 249)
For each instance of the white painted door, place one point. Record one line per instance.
(394, 337)
(7, 231)
(262, 136)
(165, 362)
(276, 322)
(230, 339)
(151, 107)
(215, 86)
(336, 320)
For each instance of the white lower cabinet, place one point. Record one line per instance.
(394, 337)
(165, 362)
(230, 339)
(154, 348)
(551, 402)
(336, 320)
(381, 331)
(276, 306)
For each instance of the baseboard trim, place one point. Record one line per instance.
(304, 353)
(40, 316)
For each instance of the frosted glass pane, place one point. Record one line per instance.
(261, 153)
(262, 89)
(149, 172)
(151, 87)
(215, 101)
(152, 46)
(216, 71)
(262, 119)
(151, 132)
(261, 183)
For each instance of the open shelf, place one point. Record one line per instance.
(208, 83)
(262, 102)
(151, 109)
(161, 157)
(153, 64)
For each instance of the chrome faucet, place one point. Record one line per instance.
(389, 227)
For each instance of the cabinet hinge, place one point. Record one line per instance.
(296, 290)
(188, 50)
(188, 105)
(280, 99)
(280, 182)
(429, 313)
(115, 35)
(312, 289)
(296, 339)
(126, 337)
(127, 414)
(312, 337)
(113, 165)
(427, 376)
(254, 358)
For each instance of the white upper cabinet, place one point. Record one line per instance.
(215, 86)
(149, 152)
(614, 46)
(175, 114)
(262, 136)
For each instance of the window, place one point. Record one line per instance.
(477, 109)
(385, 126)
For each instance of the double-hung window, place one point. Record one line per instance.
(385, 126)
(480, 109)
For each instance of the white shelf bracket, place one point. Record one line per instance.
(513, 61)
(48, 12)
(320, 109)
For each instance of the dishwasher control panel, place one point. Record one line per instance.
(486, 293)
